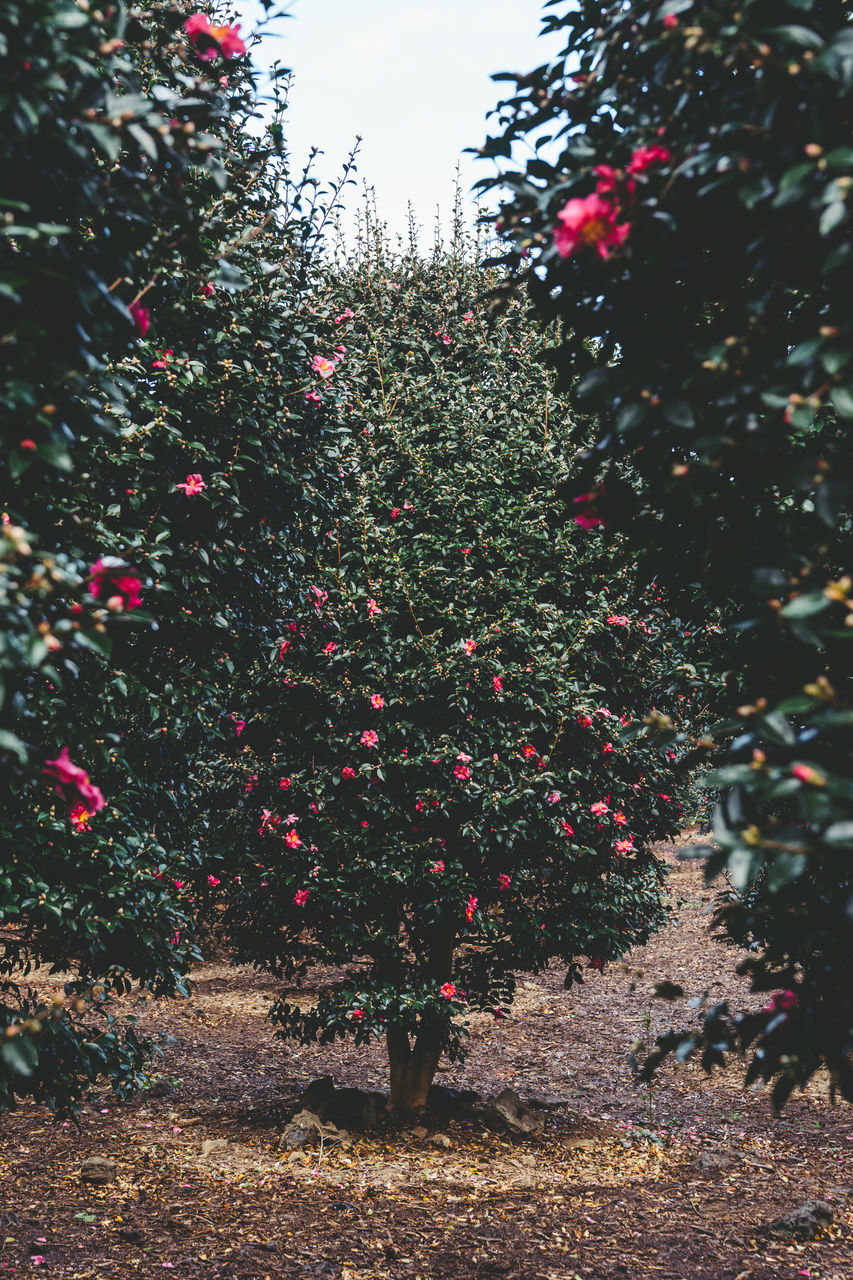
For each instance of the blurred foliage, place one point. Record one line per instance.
(685, 214)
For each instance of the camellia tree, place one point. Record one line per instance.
(438, 789)
(686, 215)
(129, 165)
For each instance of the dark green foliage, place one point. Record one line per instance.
(715, 343)
(497, 651)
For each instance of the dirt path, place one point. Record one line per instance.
(678, 1186)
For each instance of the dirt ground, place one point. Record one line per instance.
(623, 1185)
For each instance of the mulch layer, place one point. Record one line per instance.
(677, 1183)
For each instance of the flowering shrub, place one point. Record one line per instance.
(704, 156)
(128, 169)
(447, 698)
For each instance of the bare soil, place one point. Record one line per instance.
(622, 1184)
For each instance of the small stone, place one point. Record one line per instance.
(304, 1126)
(711, 1161)
(419, 1131)
(515, 1117)
(98, 1170)
(804, 1222)
(442, 1141)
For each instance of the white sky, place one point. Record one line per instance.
(411, 76)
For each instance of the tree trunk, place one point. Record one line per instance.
(412, 1068)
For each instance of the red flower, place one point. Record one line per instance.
(588, 517)
(448, 990)
(292, 839)
(584, 720)
(781, 1002)
(213, 881)
(108, 579)
(589, 223)
(68, 774)
(283, 648)
(206, 289)
(395, 511)
(330, 647)
(503, 881)
(614, 182)
(569, 830)
(528, 751)
(80, 816)
(469, 646)
(437, 867)
(193, 484)
(670, 21)
(239, 725)
(141, 318)
(462, 772)
(347, 772)
(498, 684)
(357, 1015)
(470, 907)
(607, 749)
(208, 40)
(301, 897)
(644, 157)
(806, 774)
(285, 784)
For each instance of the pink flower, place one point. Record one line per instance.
(285, 784)
(208, 40)
(68, 774)
(269, 821)
(372, 609)
(462, 772)
(370, 738)
(470, 907)
(670, 21)
(587, 518)
(36, 1259)
(618, 620)
(584, 720)
(162, 361)
(437, 867)
(313, 397)
(498, 684)
(292, 839)
(141, 318)
(443, 337)
(620, 818)
(613, 182)
(239, 725)
(347, 772)
(320, 597)
(377, 701)
(644, 157)
(781, 1002)
(79, 817)
(330, 647)
(806, 774)
(599, 809)
(108, 579)
(395, 511)
(625, 846)
(357, 1015)
(323, 367)
(192, 484)
(553, 797)
(589, 223)
(469, 646)
(569, 830)
(468, 317)
(448, 990)
(528, 751)
(346, 314)
(301, 897)
(213, 881)
(503, 881)
(607, 749)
